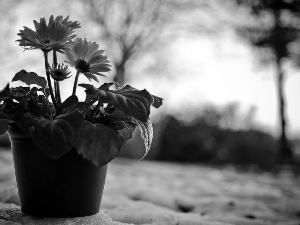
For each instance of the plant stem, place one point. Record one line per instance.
(55, 90)
(56, 83)
(76, 82)
(49, 80)
(54, 58)
(58, 92)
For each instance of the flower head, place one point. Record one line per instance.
(57, 35)
(59, 73)
(87, 58)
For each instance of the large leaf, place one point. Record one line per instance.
(129, 100)
(98, 143)
(56, 137)
(4, 120)
(146, 133)
(30, 78)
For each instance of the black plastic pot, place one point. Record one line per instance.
(67, 187)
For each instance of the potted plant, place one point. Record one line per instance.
(61, 148)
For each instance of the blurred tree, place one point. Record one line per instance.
(276, 31)
(205, 141)
(131, 27)
(229, 116)
(249, 120)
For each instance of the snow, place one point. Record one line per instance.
(169, 193)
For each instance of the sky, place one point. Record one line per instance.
(233, 75)
(199, 70)
(226, 70)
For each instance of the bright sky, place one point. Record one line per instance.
(222, 72)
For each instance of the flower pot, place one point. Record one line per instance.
(66, 187)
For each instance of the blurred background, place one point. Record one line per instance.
(228, 71)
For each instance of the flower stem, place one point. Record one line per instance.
(76, 82)
(58, 92)
(54, 58)
(49, 80)
(56, 83)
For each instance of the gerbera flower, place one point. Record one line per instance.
(87, 58)
(59, 73)
(57, 35)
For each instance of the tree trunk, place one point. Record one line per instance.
(120, 66)
(285, 153)
(120, 74)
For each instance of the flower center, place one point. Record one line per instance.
(47, 41)
(58, 73)
(82, 66)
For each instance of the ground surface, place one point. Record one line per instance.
(172, 194)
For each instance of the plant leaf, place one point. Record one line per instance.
(22, 91)
(5, 93)
(56, 137)
(146, 133)
(4, 120)
(126, 130)
(36, 109)
(24, 121)
(106, 86)
(90, 90)
(129, 100)
(157, 101)
(30, 78)
(98, 143)
(67, 104)
(17, 92)
(121, 123)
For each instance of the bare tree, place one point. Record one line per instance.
(131, 27)
(277, 28)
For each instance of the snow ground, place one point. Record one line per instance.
(172, 194)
